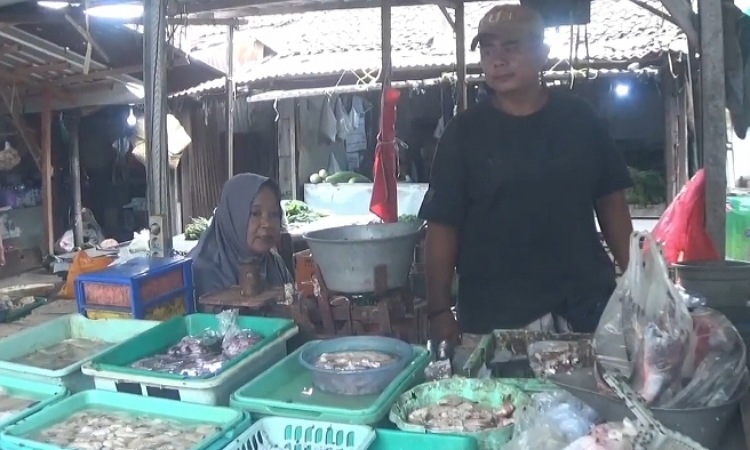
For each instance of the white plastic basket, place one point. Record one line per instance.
(282, 433)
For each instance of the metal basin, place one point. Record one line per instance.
(706, 426)
(722, 283)
(349, 257)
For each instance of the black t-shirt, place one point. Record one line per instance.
(521, 193)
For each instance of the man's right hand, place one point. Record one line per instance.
(443, 327)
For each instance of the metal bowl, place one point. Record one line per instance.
(706, 426)
(349, 257)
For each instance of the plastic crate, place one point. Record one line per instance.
(160, 311)
(137, 288)
(299, 434)
(42, 394)
(228, 420)
(55, 331)
(112, 371)
(402, 440)
(286, 389)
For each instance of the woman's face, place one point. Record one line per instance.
(264, 228)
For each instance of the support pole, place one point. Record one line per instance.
(155, 77)
(73, 125)
(46, 169)
(230, 102)
(713, 115)
(462, 100)
(385, 47)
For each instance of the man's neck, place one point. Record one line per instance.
(521, 103)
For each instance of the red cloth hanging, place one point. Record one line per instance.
(384, 201)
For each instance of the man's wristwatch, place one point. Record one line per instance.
(439, 312)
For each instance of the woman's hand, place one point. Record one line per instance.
(443, 327)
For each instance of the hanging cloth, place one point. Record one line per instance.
(384, 201)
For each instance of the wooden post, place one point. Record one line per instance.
(46, 170)
(713, 106)
(230, 102)
(287, 148)
(462, 101)
(385, 49)
(670, 132)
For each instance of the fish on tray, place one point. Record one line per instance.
(608, 436)
(353, 360)
(458, 414)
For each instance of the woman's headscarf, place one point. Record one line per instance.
(223, 245)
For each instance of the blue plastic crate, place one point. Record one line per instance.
(138, 288)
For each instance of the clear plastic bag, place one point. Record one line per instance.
(608, 436)
(716, 363)
(235, 340)
(552, 420)
(645, 329)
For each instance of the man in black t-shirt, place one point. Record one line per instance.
(514, 186)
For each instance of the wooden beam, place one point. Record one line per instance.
(448, 17)
(47, 171)
(98, 75)
(661, 14)
(13, 104)
(385, 44)
(713, 115)
(683, 15)
(8, 49)
(44, 68)
(86, 35)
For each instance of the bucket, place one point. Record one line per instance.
(722, 283)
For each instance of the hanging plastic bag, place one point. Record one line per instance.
(645, 329)
(328, 125)
(343, 120)
(9, 157)
(681, 229)
(82, 263)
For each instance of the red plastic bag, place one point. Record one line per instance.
(384, 200)
(681, 230)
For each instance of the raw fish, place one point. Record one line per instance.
(606, 437)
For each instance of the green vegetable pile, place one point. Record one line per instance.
(195, 230)
(344, 176)
(409, 218)
(649, 188)
(299, 212)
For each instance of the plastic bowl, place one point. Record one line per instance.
(356, 382)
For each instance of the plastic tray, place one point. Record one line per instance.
(44, 394)
(228, 420)
(517, 341)
(10, 315)
(402, 440)
(166, 334)
(56, 330)
(288, 433)
(286, 390)
(209, 391)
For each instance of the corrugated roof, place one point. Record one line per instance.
(333, 42)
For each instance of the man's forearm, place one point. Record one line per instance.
(613, 214)
(441, 249)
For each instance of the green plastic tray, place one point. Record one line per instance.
(10, 315)
(401, 440)
(286, 389)
(161, 337)
(44, 394)
(224, 418)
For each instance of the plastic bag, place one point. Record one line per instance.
(716, 364)
(235, 340)
(139, 246)
(608, 436)
(646, 326)
(552, 420)
(82, 263)
(328, 125)
(554, 357)
(343, 120)
(681, 229)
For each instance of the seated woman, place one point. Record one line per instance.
(246, 225)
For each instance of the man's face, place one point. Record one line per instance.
(512, 65)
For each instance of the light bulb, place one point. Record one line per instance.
(622, 90)
(131, 118)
